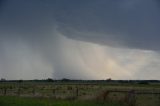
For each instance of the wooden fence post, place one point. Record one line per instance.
(33, 91)
(19, 91)
(77, 92)
(103, 96)
(159, 98)
(130, 99)
(5, 91)
(1, 91)
(54, 91)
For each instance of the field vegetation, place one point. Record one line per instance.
(68, 93)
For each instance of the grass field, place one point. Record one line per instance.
(78, 94)
(21, 101)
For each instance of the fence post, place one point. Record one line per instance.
(159, 97)
(77, 92)
(33, 91)
(1, 91)
(5, 91)
(131, 98)
(105, 95)
(54, 91)
(19, 91)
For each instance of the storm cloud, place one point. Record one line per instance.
(79, 39)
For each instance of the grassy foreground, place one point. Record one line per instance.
(22, 101)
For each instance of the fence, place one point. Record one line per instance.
(132, 97)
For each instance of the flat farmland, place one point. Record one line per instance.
(78, 94)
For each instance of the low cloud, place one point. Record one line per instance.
(85, 40)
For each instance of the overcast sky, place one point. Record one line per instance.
(80, 39)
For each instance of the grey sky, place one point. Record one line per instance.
(80, 39)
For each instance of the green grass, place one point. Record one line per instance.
(65, 91)
(22, 101)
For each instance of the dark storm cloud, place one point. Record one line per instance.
(34, 36)
(130, 23)
(1, 1)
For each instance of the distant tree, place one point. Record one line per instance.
(109, 79)
(143, 82)
(3, 79)
(49, 80)
(65, 79)
(20, 81)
